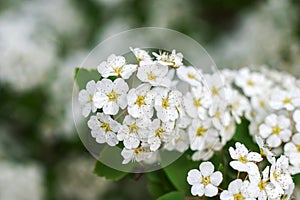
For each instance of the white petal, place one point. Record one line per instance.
(194, 177)
(216, 178)
(197, 189)
(206, 168)
(211, 190)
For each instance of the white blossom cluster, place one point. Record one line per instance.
(274, 110)
(140, 106)
(274, 182)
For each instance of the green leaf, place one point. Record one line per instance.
(243, 136)
(297, 179)
(82, 76)
(107, 172)
(172, 196)
(158, 183)
(177, 173)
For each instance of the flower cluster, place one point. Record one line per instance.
(141, 106)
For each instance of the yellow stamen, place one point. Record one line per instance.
(113, 96)
(191, 76)
(214, 91)
(106, 127)
(118, 70)
(201, 130)
(238, 196)
(151, 76)
(276, 130)
(250, 83)
(287, 100)
(243, 159)
(165, 103)
(262, 185)
(159, 132)
(206, 180)
(197, 102)
(133, 128)
(140, 101)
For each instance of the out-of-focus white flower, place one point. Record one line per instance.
(14, 181)
(159, 132)
(138, 154)
(288, 100)
(251, 83)
(197, 102)
(111, 95)
(190, 75)
(204, 181)
(292, 150)
(199, 131)
(153, 73)
(104, 129)
(275, 130)
(167, 104)
(237, 190)
(133, 131)
(296, 117)
(178, 141)
(141, 55)
(116, 66)
(86, 98)
(244, 161)
(210, 145)
(140, 101)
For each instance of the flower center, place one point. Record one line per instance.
(138, 150)
(140, 101)
(238, 196)
(151, 76)
(165, 103)
(106, 127)
(118, 70)
(133, 128)
(262, 104)
(197, 103)
(287, 100)
(250, 83)
(298, 148)
(91, 98)
(113, 96)
(191, 76)
(214, 91)
(201, 130)
(262, 152)
(159, 132)
(206, 180)
(275, 176)
(262, 185)
(276, 130)
(217, 114)
(243, 159)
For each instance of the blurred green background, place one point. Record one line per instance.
(41, 43)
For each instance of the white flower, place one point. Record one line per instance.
(296, 117)
(292, 150)
(206, 181)
(238, 104)
(215, 85)
(200, 131)
(259, 185)
(210, 145)
(197, 102)
(285, 99)
(279, 173)
(116, 66)
(133, 131)
(251, 83)
(167, 103)
(104, 129)
(243, 159)
(138, 154)
(179, 141)
(275, 130)
(190, 75)
(86, 98)
(140, 101)
(173, 60)
(237, 190)
(140, 55)
(111, 95)
(159, 132)
(153, 73)
(264, 149)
